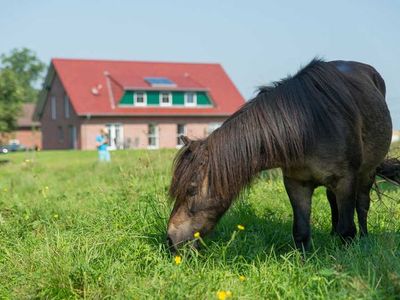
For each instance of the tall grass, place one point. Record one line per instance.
(73, 228)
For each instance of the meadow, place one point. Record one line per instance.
(73, 228)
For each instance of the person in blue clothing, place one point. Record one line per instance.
(102, 145)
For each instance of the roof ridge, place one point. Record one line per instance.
(135, 61)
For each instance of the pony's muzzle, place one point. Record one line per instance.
(178, 236)
(175, 246)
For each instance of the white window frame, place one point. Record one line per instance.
(144, 103)
(155, 136)
(53, 107)
(169, 99)
(179, 142)
(67, 110)
(194, 99)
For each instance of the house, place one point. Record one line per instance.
(142, 104)
(28, 132)
(395, 136)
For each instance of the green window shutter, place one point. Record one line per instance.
(127, 98)
(153, 98)
(178, 98)
(202, 99)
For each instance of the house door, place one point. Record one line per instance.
(72, 137)
(116, 136)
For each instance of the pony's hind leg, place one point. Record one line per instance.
(300, 194)
(363, 202)
(345, 192)
(334, 209)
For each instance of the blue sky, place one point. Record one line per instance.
(256, 41)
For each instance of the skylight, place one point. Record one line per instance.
(160, 82)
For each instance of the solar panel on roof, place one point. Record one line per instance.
(159, 81)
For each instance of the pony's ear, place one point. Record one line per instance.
(186, 141)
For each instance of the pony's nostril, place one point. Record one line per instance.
(170, 243)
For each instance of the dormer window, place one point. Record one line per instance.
(140, 99)
(165, 99)
(190, 99)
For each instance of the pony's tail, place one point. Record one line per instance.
(389, 170)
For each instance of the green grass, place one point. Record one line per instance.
(73, 228)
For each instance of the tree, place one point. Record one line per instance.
(10, 100)
(28, 68)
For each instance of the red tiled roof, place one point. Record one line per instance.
(131, 82)
(79, 77)
(25, 118)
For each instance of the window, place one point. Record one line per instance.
(165, 99)
(53, 107)
(60, 134)
(180, 130)
(72, 137)
(115, 135)
(140, 99)
(190, 99)
(66, 107)
(159, 81)
(152, 136)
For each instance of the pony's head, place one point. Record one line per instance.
(195, 209)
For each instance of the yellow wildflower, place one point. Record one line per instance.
(196, 235)
(55, 216)
(222, 295)
(178, 260)
(240, 227)
(242, 278)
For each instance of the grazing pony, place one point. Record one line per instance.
(327, 125)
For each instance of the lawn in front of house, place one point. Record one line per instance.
(73, 228)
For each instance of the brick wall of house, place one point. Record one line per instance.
(28, 137)
(135, 130)
(57, 133)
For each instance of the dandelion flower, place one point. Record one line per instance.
(242, 278)
(240, 227)
(222, 295)
(178, 260)
(196, 235)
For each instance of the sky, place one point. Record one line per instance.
(256, 42)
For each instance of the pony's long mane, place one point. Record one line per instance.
(274, 129)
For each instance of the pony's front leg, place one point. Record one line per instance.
(300, 194)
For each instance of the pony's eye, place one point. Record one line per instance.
(192, 191)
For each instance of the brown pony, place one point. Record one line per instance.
(327, 125)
